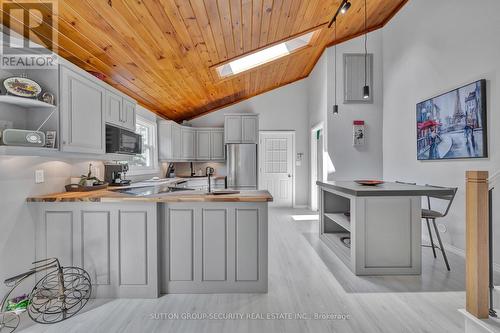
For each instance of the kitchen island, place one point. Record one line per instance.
(382, 224)
(143, 246)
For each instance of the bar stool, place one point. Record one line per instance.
(429, 214)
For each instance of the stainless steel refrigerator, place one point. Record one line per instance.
(241, 166)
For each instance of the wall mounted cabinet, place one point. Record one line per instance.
(203, 144)
(182, 143)
(241, 128)
(188, 137)
(217, 149)
(128, 114)
(86, 104)
(120, 111)
(82, 108)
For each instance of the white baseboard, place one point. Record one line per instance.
(460, 252)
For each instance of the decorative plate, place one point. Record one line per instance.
(22, 87)
(368, 182)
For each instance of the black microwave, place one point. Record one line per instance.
(122, 141)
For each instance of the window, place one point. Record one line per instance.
(147, 162)
(264, 56)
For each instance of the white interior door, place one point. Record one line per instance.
(276, 167)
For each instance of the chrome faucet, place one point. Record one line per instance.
(192, 169)
(209, 171)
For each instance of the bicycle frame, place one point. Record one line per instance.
(18, 279)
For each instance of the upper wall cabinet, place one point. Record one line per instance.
(188, 143)
(217, 151)
(182, 143)
(114, 108)
(128, 115)
(241, 128)
(82, 108)
(86, 104)
(203, 144)
(120, 111)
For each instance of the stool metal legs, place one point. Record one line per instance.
(430, 236)
(441, 244)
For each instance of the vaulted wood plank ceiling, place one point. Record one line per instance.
(162, 52)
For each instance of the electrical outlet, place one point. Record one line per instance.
(39, 176)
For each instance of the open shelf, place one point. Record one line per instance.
(340, 219)
(25, 102)
(27, 151)
(332, 240)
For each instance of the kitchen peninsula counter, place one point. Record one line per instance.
(143, 246)
(111, 195)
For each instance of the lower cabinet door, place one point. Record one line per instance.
(115, 243)
(213, 248)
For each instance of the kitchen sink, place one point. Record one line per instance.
(152, 190)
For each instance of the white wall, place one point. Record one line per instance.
(431, 47)
(280, 109)
(17, 225)
(318, 93)
(349, 162)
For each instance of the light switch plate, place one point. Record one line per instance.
(39, 176)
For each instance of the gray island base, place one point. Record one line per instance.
(144, 248)
(383, 223)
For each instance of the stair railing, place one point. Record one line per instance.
(477, 244)
(491, 186)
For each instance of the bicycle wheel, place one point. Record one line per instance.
(8, 322)
(49, 305)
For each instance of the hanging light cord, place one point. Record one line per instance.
(335, 48)
(366, 49)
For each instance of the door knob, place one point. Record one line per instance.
(289, 176)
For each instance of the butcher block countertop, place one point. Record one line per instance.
(187, 196)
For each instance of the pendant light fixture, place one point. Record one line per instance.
(343, 8)
(366, 88)
(335, 106)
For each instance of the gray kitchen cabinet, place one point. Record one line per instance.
(241, 128)
(128, 114)
(182, 143)
(114, 108)
(213, 248)
(232, 128)
(82, 110)
(188, 143)
(169, 140)
(250, 129)
(176, 142)
(217, 151)
(115, 243)
(165, 144)
(203, 144)
(120, 111)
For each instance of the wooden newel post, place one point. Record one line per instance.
(476, 256)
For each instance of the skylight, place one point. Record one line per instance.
(264, 56)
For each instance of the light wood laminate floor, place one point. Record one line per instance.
(304, 278)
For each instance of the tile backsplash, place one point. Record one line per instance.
(183, 168)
